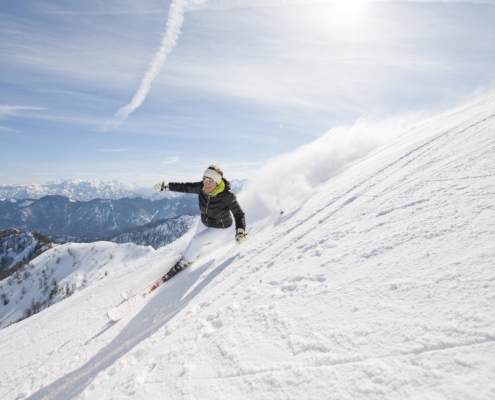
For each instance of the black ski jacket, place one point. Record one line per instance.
(216, 208)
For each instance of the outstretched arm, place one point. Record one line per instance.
(189, 187)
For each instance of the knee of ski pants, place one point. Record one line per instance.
(208, 235)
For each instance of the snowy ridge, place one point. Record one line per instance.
(158, 234)
(59, 273)
(81, 190)
(15, 247)
(381, 285)
(73, 189)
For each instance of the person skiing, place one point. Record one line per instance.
(217, 203)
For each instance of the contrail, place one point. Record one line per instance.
(172, 32)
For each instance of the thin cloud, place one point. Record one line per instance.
(105, 12)
(233, 4)
(112, 150)
(170, 160)
(7, 110)
(96, 7)
(8, 130)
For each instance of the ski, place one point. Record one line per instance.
(119, 312)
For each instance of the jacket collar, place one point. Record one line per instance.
(219, 189)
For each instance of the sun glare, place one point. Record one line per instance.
(347, 12)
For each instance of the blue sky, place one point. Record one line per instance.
(240, 83)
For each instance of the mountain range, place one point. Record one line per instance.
(59, 215)
(84, 190)
(95, 219)
(79, 190)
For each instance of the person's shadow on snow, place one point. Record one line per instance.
(155, 314)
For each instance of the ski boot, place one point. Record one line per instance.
(181, 264)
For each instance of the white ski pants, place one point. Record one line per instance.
(202, 237)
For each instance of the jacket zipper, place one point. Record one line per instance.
(207, 205)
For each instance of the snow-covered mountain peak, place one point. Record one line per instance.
(379, 285)
(81, 190)
(85, 190)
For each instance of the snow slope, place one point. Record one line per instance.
(58, 273)
(381, 285)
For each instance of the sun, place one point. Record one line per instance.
(347, 13)
(348, 6)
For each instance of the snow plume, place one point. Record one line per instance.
(287, 181)
(172, 32)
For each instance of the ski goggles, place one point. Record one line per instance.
(207, 180)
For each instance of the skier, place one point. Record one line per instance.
(216, 202)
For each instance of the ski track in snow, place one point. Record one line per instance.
(381, 285)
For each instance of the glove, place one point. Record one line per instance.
(160, 187)
(240, 236)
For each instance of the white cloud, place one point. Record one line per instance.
(91, 59)
(170, 160)
(298, 59)
(229, 4)
(107, 64)
(9, 130)
(7, 110)
(112, 150)
(97, 7)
